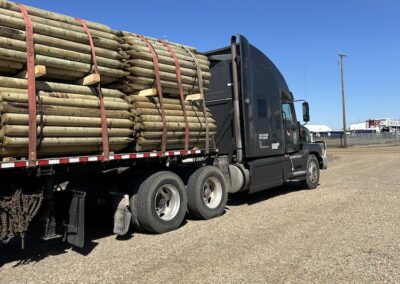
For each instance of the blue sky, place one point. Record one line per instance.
(301, 37)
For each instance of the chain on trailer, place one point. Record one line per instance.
(16, 213)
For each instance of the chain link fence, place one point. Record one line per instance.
(336, 140)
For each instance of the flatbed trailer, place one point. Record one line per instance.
(45, 178)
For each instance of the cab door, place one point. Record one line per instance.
(290, 126)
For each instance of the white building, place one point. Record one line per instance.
(358, 126)
(318, 129)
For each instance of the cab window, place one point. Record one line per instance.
(288, 113)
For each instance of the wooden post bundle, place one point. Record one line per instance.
(159, 90)
(174, 79)
(106, 148)
(149, 126)
(54, 16)
(66, 26)
(16, 23)
(62, 45)
(68, 107)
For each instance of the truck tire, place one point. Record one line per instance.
(160, 203)
(312, 173)
(132, 189)
(135, 220)
(207, 193)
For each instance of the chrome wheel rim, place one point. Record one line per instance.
(313, 171)
(167, 202)
(212, 192)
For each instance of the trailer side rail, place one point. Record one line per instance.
(100, 158)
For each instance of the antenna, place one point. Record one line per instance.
(305, 79)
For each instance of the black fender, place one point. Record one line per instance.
(319, 150)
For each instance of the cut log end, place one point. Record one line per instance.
(147, 93)
(40, 70)
(195, 97)
(89, 80)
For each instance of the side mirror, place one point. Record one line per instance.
(306, 112)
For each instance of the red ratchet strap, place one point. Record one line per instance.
(95, 69)
(201, 89)
(159, 91)
(30, 62)
(182, 98)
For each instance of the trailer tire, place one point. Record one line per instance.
(207, 193)
(135, 220)
(312, 173)
(132, 188)
(160, 203)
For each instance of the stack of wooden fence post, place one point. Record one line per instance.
(141, 87)
(69, 107)
(61, 45)
(149, 126)
(68, 120)
(142, 74)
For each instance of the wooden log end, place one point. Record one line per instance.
(89, 80)
(195, 97)
(146, 93)
(40, 70)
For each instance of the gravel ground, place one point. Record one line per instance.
(347, 230)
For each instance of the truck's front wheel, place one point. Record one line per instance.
(160, 202)
(312, 171)
(207, 193)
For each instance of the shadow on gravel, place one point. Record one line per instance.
(38, 250)
(98, 225)
(249, 199)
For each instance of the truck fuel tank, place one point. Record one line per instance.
(239, 178)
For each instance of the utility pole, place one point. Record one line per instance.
(342, 55)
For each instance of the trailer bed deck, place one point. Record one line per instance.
(100, 158)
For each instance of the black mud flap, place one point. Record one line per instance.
(75, 222)
(122, 214)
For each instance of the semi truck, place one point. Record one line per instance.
(259, 145)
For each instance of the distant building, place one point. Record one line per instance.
(376, 125)
(318, 130)
(364, 127)
(389, 125)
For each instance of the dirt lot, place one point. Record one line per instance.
(348, 230)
